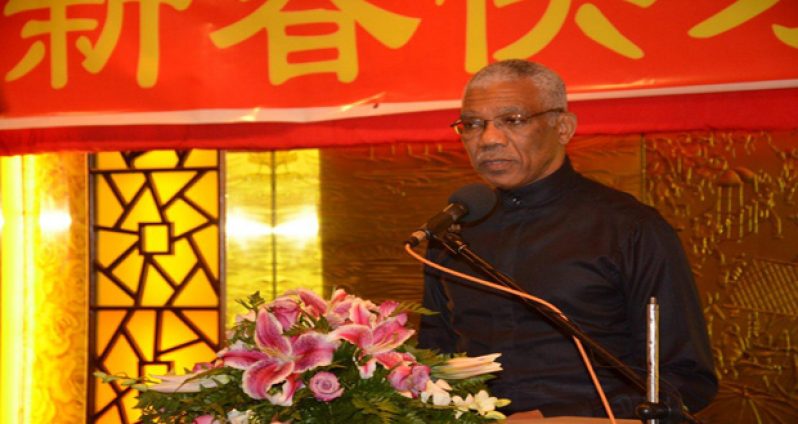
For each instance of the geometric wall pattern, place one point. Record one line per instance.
(155, 302)
(767, 285)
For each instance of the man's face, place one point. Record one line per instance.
(513, 156)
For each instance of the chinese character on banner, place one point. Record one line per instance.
(149, 17)
(589, 18)
(390, 29)
(57, 27)
(737, 14)
(95, 56)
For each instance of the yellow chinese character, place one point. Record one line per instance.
(593, 23)
(95, 56)
(149, 52)
(389, 28)
(57, 27)
(737, 14)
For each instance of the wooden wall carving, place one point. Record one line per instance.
(733, 197)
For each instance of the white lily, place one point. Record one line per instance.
(238, 417)
(462, 405)
(439, 391)
(466, 367)
(483, 403)
(181, 383)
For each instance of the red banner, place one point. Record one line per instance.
(115, 62)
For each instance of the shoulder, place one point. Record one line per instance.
(618, 208)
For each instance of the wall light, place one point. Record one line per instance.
(241, 227)
(54, 221)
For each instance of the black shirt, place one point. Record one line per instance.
(598, 255)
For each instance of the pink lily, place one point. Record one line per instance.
(285, 397)
(365, 313)
(205, 419)
(386, 308)
(339, 295)
(360, 314)
(411, 378)
(338, 309)
(277, 356)
(286, 310)
(315, 305)
(378, 343)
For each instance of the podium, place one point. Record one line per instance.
(534, 418)
(568, 420)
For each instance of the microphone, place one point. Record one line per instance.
(468, 204)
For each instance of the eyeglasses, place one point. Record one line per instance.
(512, 122)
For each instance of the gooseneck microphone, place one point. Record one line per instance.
(468, 204)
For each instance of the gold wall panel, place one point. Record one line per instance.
(733, 196)
(156, 302)
(272, 238)
(44, 313)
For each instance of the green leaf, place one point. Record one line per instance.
(413, 308)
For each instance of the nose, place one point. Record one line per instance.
(492, 135)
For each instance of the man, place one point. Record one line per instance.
(596, 253)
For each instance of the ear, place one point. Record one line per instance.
(566, 127)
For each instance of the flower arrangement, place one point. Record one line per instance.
(304, 359)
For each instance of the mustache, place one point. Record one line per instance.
(489, 153)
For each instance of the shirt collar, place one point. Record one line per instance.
(542, 191)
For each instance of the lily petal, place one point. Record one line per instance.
(389, 359)
(390, 335)
(360, 314)
(285, 397)
(338, 296)
(269, 335)
(387, 308)
(312, 350)
(412, 378)
(339, 312)
(358, 335)
(205, 419)
(260, 377)
(241, 359)
(286, 310)
(316, 305)
(366, 370)
(438, 391)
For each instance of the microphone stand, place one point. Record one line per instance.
(646, 410)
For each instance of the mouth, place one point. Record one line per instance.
(495, 165)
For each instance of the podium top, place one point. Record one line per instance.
(527, 419)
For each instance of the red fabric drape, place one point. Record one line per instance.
(750, 110)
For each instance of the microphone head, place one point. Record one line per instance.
(478, 199)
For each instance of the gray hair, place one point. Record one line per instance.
(550, 84)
